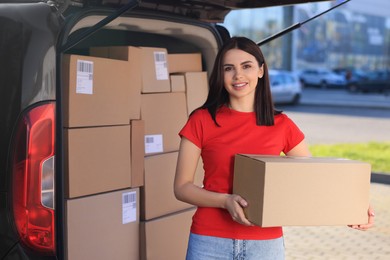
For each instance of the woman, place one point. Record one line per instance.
(237, 117)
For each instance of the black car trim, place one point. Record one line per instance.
(298, 25)
(129, 6)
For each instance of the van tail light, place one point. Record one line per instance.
(33, 178)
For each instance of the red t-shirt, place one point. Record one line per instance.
(238, 133)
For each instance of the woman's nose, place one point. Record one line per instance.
(237, 73)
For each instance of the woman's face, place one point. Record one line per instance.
(241, 74)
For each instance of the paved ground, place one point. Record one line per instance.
(343, 243)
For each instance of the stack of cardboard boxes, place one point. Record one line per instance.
(123, 109)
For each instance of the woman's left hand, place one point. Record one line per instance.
(370, 222)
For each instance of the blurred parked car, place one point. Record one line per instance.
(285, 87)
(353, 76)
(376, 81)
(322, 78)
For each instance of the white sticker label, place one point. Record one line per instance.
(160, 62)
(153, 144)
(84, 82)
(129, 207)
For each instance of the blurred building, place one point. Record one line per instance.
(357, 34)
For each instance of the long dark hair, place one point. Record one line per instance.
(218, 96)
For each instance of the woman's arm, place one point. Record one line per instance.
(185, 190)
(300, 149)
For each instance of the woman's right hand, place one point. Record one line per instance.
(235, 204)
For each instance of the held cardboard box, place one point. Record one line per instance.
(98, 92)
(157, 196)
(164, 115)
(166, 237)
(302, 191)
(150, 65)
(96, 160)
(184, 62)
(197, 89)
(104, 226)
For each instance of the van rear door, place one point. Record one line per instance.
(28, 35)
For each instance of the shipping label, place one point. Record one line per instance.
(129, 207)
(84, 80)
(160, 62)
(153, 144)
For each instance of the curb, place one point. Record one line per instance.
(371, 106)
(381, 178)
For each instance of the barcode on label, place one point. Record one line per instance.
(160, 56)
(154, 143)
(129, 198)
(129, 207)
(149, 139)
(84, 66)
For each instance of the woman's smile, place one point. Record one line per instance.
(239, 85)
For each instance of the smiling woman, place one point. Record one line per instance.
(237, 117)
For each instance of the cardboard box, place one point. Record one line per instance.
(302, 191)
(137, 153)
(98, 92)
(150, 65)
(197, 89)
(177, 83)
(184, 62)
(166, 237)
(157, 196)
(104, 226)
(155, 75)
(164, 115)
(97, 160)
(116, 160)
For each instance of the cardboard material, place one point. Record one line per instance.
(184, 62)
(134, 72)
(197, 89)
(159, 176)
(155, 72)
(302, 191)
(137, 153)
(104, 226)
(150, 65)
(177, 83)
(98, 92)
(164, 115)
(166, 237)
(96, 160)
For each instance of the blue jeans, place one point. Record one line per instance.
(215, 248)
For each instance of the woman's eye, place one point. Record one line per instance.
(247, 66)
(228, 69)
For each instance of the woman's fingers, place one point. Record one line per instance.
(370, 222)
(235, 207)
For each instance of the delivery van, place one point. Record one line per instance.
(92, 95)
